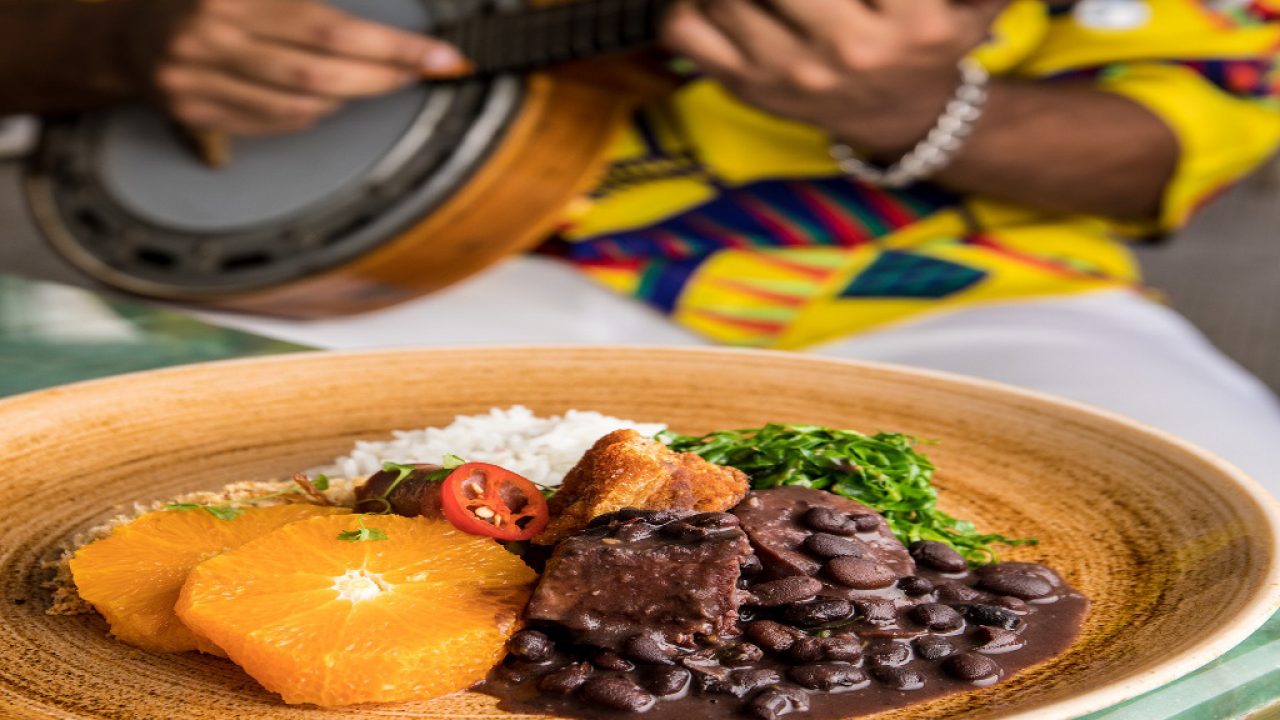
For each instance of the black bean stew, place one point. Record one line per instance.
(798, 603)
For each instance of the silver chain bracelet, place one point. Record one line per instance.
(937, 148)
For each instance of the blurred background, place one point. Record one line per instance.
(1223, 273)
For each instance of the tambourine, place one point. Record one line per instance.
(390, 198)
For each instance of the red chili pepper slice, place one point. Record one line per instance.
(484, 499)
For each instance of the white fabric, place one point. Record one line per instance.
(17, 135)
(1116, 350)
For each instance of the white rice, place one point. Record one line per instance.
(541, 449)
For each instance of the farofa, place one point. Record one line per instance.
(67, 601)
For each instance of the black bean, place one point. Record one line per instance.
(877, 612)
(860, 573)
(662, 517)
(932, 647)
(970, 667)
(606, 660)
(566, 679)
(599, 531)
(1026, 587)
(617, 693)
(866, 522)
(753, 679)
(824, 519)
(992, 615)
(518, 671)
(650, 649)
(796, 588)
(620, 515)
(772, 636)
(713, 679)
(899, 678)
(1023, 568)
(938, 556)
(666, 681)
(633, 531)
(738, 683)
(1012, 603)
(741, 654)
(530, 645)
(776, 702)
(750, 566)
(818, 612)
(826, 545)
(887, 653)
(683, 531)
(994, 641)
(937, 617)
(714, 520)
(828, 676)
(956, 593)
(841, 647)
(806, 649)
(915, 586)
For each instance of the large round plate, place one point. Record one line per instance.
(1176, 548)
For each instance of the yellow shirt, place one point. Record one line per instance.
(739, 226)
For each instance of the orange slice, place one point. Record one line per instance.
(133, 575)
(328, 612)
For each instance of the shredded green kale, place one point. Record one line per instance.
(883, 471)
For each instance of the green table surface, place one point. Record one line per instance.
(54, 334)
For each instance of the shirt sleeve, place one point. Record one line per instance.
(1212, 75)
(1222, 137)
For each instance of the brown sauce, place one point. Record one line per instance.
(847, 624)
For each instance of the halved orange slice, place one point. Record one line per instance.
(133, 575)
(366, 608)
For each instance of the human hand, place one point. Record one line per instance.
(269, 66)
(874, 74)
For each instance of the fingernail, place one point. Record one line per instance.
(441, 59)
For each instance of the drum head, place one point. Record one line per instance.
(123, 195)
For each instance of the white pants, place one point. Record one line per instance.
(1116, 349)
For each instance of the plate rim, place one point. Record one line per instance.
(1256, 612)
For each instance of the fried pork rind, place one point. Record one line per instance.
(627, 469)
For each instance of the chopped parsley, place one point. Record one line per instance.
(362, 533)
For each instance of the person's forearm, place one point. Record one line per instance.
(64, 55)
(1071, 149)
(876, 76)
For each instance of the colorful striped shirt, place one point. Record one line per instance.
(737, 224)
